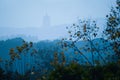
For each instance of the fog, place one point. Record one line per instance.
(27, 17)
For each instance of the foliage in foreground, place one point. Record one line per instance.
(75, 71)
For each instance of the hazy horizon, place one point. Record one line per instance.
(30, 13)
(48, 19)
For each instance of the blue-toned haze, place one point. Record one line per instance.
(25, 17)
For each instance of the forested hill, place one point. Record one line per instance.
(6, 45)
(52, 46)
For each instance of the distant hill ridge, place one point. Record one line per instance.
(12, 43)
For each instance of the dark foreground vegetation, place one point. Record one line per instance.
(82, 56)
(73, 71)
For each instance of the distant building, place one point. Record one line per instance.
(46, 21)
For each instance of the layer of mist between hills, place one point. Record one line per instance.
(36, 34)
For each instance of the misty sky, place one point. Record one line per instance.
(29, 13)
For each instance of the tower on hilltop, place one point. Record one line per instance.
(46, 21)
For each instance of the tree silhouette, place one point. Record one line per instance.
(112, 31)
(86, 31)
